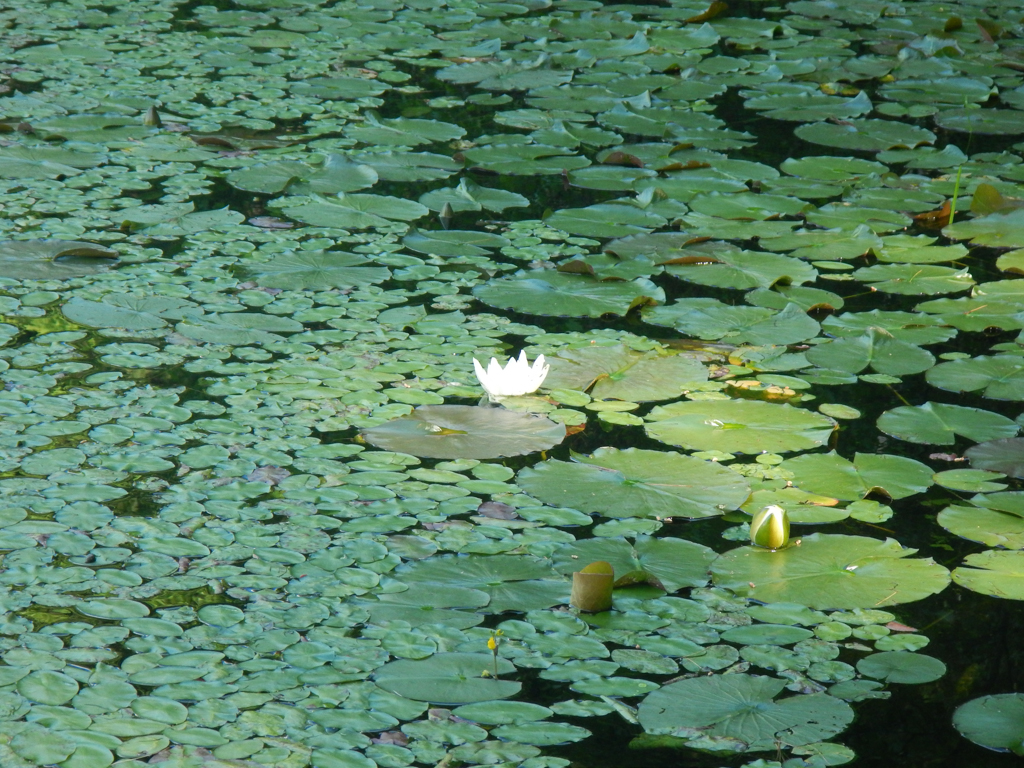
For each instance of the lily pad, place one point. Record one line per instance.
(901, 667)
(831, 571)
(996, 520)
(448, 678)
(666, 563)
(1000, 377)
(997, 573)
(466, 432)
(513, 582)
(740, 713)
(830, 474)
(546, 292)
(317, 270)
(738, 426)
(53, 259)
(877, 349)
(620, 373)
(939, 424)
(995, 722)
(636, 483)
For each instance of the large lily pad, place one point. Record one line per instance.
(513, 582)
(546, 292)
(317, 270)
(738, 426)
(830, 474)
(1005, 456)
(706, 318)
(466, 432)
(53, 259)
(995, 722)
(998, 573)
(447, 678)
(996, 520)
(998, 230)
(939, 424)
(1000, 377)
(740, 713)
(620, 373)
(636, 483)
(831, 571)
(880, 351)
(668, 563)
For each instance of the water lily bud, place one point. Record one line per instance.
(445, 216)
(152, 118)
(770, 528)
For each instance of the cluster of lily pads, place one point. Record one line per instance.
(253, 508)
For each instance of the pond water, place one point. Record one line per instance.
(257, 509)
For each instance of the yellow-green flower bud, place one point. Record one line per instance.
(770, 528)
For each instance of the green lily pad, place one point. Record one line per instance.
(53, 259)
(996, 520)
(317, 270)
(448, 678)
(1000, 377)
(939, 424)
(470, 196)
(513, 582)
(901, 667)
(831, 571)
(351, 210)
(995, 722)
(738, 426)
(915, 279)
(546, 292)
(994, 572)
(997, 230)
(636, 483)
(734, 268)
(883, 353)
(832, 475)
(706, 318)
(466, 432)
(868, 135)
(666, 563)
(1000, 122)
(739, 713)
(1005, 456)
(620, 373)
(503, 712)
(911, 327)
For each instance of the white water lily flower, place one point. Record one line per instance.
(518, 377)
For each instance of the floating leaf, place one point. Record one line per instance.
(617, 372)
(447, 678)
(829, 473)
(883, 353)
(738, 426)
(667, 563)
(739, 713)
(1005, 456)
(939, 424)
(466, 432)
(546, 292)
(995, 722)
(317, 270)
(901, 667)
(53, 259)
(993, 572)
(831, 571)
(1000, 377)
(636, 483)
